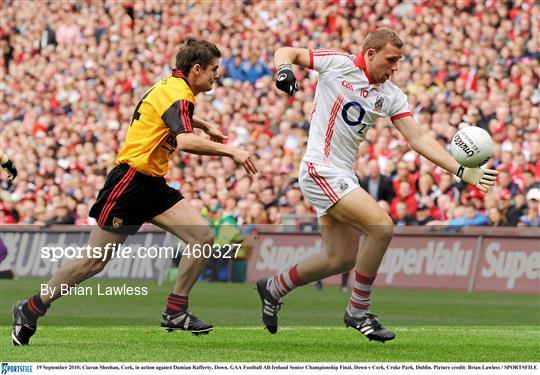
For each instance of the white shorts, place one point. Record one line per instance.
(324, 185)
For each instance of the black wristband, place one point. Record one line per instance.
(460, 171)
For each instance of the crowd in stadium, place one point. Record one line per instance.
(72, 73)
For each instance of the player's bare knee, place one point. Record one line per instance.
(383, 235)
(348, 264)
(200, 237)
(333, 266)
(206, 237)
(339, 264)
(382, 229)
(386, 231)
(92, 266)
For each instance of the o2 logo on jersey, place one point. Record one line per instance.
(353, 114)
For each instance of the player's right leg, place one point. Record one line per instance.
(345, 210)
(322, 186)
(339, 255)
(26, 312)
(377, 226)
(114, 209)
(185, 222)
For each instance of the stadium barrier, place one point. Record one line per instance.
(479, 259)
(471, 259)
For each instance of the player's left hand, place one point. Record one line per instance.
(10, 169)
(243, 158)
(216, 134)
(285, 80)
(478, 177)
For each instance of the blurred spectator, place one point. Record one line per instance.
(376, 184)
(517, 210)
(426, 188)
(505, 182)
(406, 196)
(71, 74)
(62, 215)
(423, 215)
(529, 181)
(8, 212)
(226, 232)
(468, 216)
(505, 203)
(532, 215)
(402, 215)
(257, 214)
(403, 175)
(254, 69)
(448, 187)
(496, 217)
(234, 69)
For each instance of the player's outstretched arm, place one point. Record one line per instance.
(194, 144)
(429, 148)
(283, 59)
(212, 130)
(290, 55)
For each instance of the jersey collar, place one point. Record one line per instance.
(179, 74)
(360, 62)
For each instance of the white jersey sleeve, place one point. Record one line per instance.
(325, 61)
(400, 105)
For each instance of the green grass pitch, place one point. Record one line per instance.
(436, 326)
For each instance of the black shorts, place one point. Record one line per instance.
(130, 198)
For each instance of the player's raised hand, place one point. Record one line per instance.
(285, 79)
(243, 158)
(478, 177)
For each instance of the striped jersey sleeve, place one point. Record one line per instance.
(323, 60)
(400, 106)
(179, 117)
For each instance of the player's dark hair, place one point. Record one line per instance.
(194, 51)
(380, 38)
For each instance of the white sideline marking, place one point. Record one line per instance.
(507, 329)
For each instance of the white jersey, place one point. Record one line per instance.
(347, 103)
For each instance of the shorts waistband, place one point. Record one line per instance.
(124, 167)
(326, 165)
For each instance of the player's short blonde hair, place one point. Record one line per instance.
(380, 38)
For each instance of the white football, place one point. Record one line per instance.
(472, 147)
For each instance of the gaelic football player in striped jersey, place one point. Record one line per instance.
(352, 93)
(135, 190)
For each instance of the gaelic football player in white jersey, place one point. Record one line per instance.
(352, 92)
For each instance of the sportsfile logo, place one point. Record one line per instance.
(7, 368)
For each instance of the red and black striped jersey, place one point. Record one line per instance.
(164, 111)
